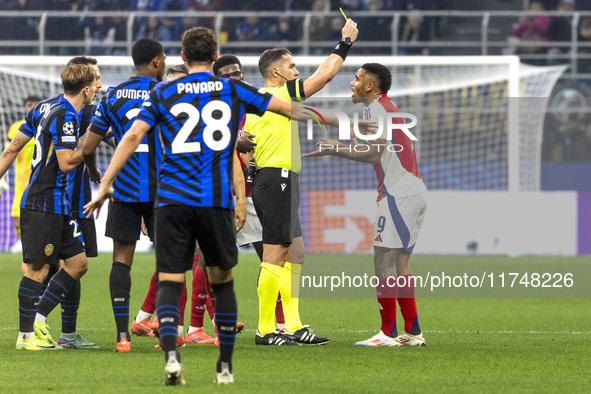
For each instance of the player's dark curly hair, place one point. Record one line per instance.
(224, 61)
(144, 51)
(86, 60)
(269, 58)
(381, 73)
(200, 45)
(178, 69)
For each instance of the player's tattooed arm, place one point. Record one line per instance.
(11, 151)
(370, 152)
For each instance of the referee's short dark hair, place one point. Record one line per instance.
(178, 69)
(85, 60)
(145, 50)
(269, 58)
(224, 61)
(200, 45)
(381, 73)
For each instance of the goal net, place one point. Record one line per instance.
(479, 127)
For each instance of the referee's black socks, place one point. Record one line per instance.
(167, 308)
(120, 286)
(226, 314)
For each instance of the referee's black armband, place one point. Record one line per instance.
(295, 88)
(342, 49)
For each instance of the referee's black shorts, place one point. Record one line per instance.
(276, 197)
(178, 226)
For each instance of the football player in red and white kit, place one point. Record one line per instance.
(402, 202)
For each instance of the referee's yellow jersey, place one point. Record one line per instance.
(278, 142)
(23, 168)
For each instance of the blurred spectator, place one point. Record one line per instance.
(412, 33)
(19, 28)
(262, 5)
(12, 5)
(375, 28)
(186, 23)
(54, 28)
(204, 5)
(422, 5)
(109, 5)
(120, 25)
(100, 34)
(560, 30)
(335, 33)
(284, 31)
(298, 5)
(155, 30)
(585, 37)
(104, 5)
(72, 30)
(252, 29)
(147, 5)
(349, 5)
(532, 29)
(572, 143)
(319, 24)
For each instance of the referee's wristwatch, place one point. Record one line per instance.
(347, 40)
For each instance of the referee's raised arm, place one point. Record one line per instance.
(331, 66)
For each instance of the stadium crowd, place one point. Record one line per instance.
(100, 32)
(530, 37)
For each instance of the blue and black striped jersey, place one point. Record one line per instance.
(34, 116)
(198, 117)
(48, 185)
(118, 108)
(79, 190)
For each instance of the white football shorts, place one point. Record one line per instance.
(252, 230)
(398, 221)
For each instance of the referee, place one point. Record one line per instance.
(276, 194)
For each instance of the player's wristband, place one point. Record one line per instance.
(342, 49)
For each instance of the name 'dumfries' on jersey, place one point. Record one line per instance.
(133, 94)
(199, 87)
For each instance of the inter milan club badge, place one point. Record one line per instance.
(48, 249)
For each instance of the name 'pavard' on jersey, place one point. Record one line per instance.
(199, 116)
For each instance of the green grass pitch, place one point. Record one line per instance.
(473, 344)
